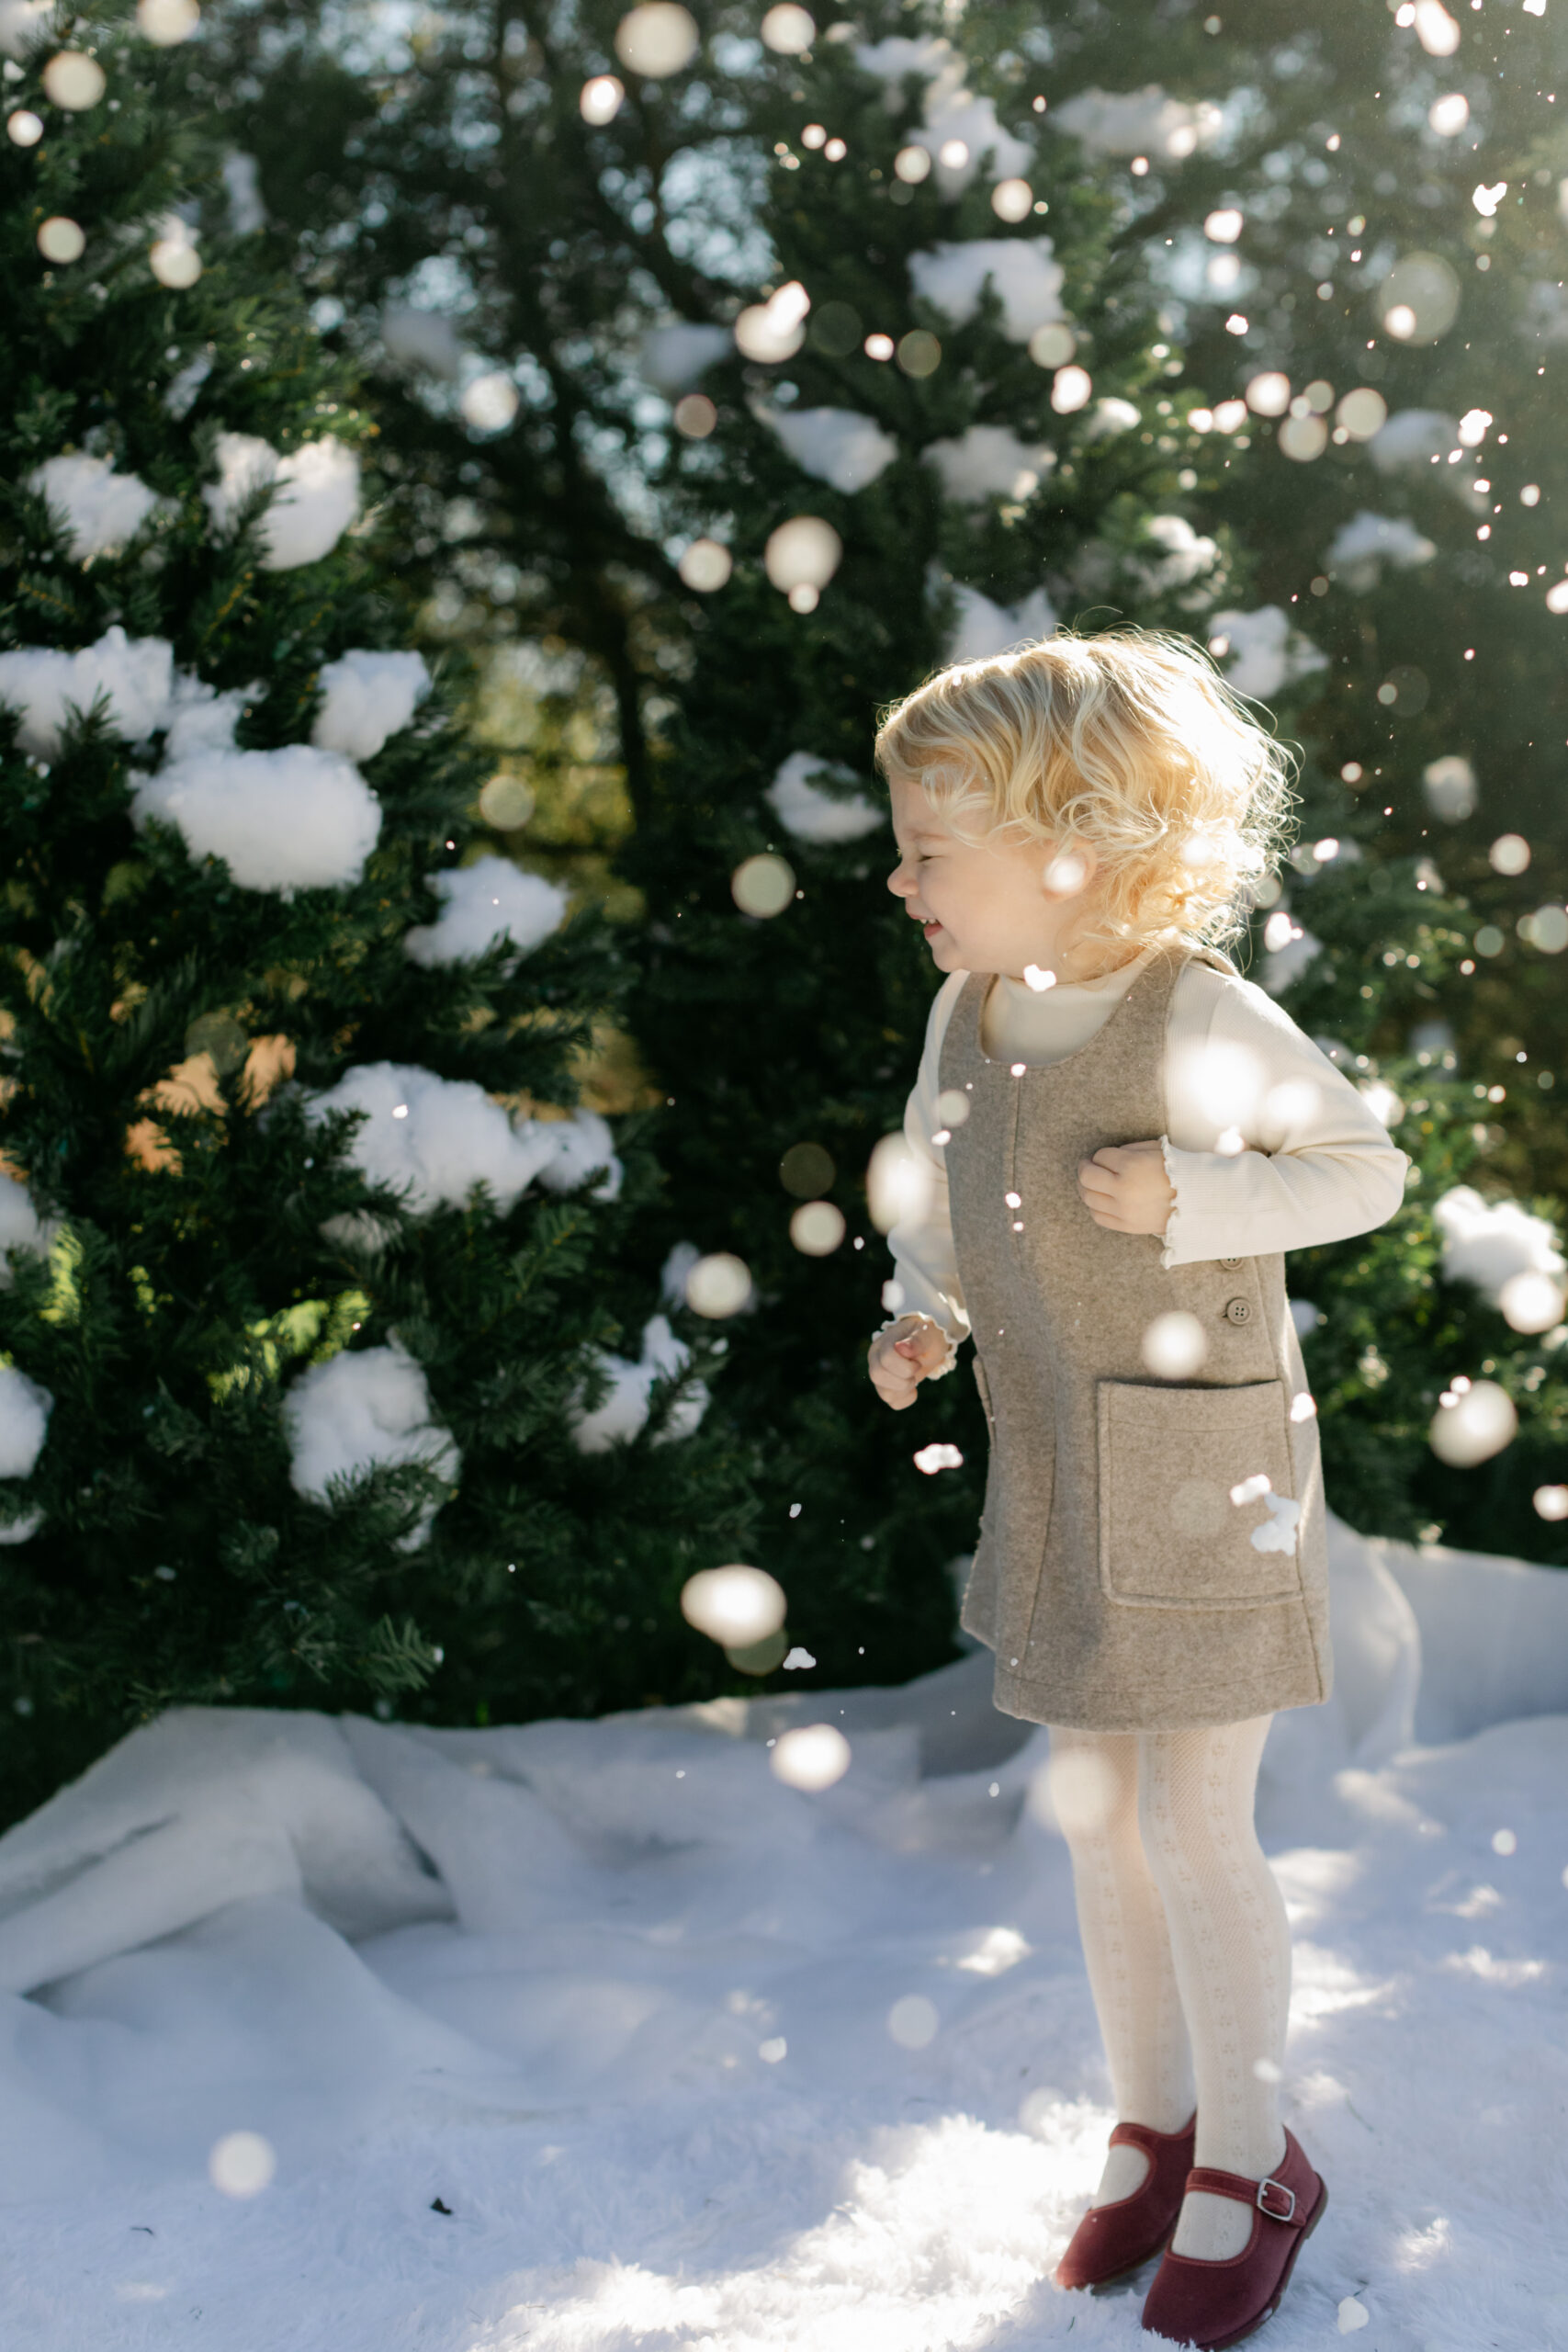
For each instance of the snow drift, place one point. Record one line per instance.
(586, 2035)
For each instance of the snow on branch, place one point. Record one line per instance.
(294, 819)
(96, 510)
(625, 1410)
(433, 1139)
(982, 628)
(361, 1409)
(1022, 270)
(367, 696)
(832, 444)
(479, 901)
(21, 1227)
(1139, 122)
(1261, 651)
(814, 815)
(1361, 547)
(317, 495)
(989, 461)
(135, 674)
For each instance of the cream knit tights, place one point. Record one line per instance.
(1187, 1950)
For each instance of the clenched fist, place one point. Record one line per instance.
(1125, 1188)
(901, 1358)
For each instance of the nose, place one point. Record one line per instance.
(902, 885)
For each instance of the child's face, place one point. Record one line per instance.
(989, 906)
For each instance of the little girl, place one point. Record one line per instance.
(1122, 1136)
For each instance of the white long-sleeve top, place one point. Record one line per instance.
(1269, 1147)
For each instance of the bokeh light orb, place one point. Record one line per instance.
(1479, 1423)
(706, 566)
(718, 1285)
(811, 1757)
(657, 39)
(762, 885)
(1532, 1301)
(241, 2164)
(802, 553)
(600, 98)
(61, 239)
(817, 1228)
(788, 31)
(73, 81)
(912, 2022)
(1174, 1346)
(491, 401)
(175, 262)
(735, 1605)
(167, 22)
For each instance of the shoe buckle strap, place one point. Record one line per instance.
(1275, 2200)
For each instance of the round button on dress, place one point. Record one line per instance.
(1238, 1310)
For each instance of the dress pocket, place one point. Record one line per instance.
(1170, 1536)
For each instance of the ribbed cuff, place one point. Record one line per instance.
(914, 1315)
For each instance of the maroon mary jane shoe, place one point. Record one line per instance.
(1212, 2304)
(1112, 2240)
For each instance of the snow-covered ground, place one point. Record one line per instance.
(587, 2036)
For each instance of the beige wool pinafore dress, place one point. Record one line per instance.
(1114, 1577)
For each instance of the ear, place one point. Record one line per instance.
(1070, 871)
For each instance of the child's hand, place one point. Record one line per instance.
(900, 1359)
(1125, 1189)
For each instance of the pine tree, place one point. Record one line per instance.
(328, 1375)
(1260, 134)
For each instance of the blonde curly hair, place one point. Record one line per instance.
(1130, 742)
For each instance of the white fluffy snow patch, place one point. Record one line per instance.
(952, 113)
(1138, 122)
(24, 1422)
(97, 509)
(316, 499)
(241, 185)
(427, 339)
(294, 819)
(136, 673)
(1412, 437)
(672, 357)
(1263, 651)
(479, 900)
(433, 1139)
(366, 697)
(1488, 1242)
(892, 60)
(961, 115)
(1022, 270)
(1185, 555)
(1361, 547)
(21, 1227)
(617, 1923)
(981, 628)
(814, 815)
(832, 444)
(21, 22)
(625, 1409)
(201, 719)
(989, 460)
(357, 1411)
